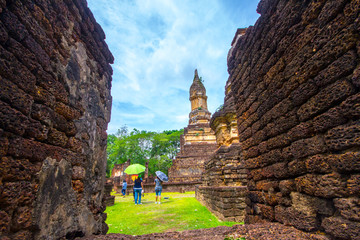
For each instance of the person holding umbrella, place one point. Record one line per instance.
(138, 186)
(135, 169)
(160, 177)
(133, 177)
(158, 189)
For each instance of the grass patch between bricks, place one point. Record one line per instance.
(180, 212)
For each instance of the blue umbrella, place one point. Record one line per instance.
(162, 176)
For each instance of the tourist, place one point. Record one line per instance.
(158, 189)
(137, 190)
(124, 186)
(133, 177)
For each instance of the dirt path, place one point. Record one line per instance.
(266, 231)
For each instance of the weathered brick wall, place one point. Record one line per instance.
(55, 103)
(226, 202)
(118, 175)
(167, 187)
(223, 189)
(296, 80)
(189, 165)
(225, 168)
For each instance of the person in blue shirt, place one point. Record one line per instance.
(124, 186)
(158, 189)
(138, 186)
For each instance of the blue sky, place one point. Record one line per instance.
(157, 44)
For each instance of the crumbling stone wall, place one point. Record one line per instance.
(296, 79)
(223, 190)
(55, 103)
(108, 198)
(118, 175)
(189, 165)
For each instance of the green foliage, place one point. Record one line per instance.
(142, 146)
(219, 108)
(201, 81)
(160, 164)
(179, 212)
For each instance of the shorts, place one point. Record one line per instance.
(158, 191)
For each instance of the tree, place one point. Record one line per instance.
(159, 149)
(160, 163)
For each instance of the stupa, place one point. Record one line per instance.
(198, 141)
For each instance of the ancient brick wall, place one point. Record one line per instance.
(189, 166)
(225, 168)
(169, 187)
(227, 203)
(296, 80)
(55, 103)
(223, 189)
(118, 175)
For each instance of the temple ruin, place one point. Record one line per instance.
(118, 175)
(55, 80)
(294, 81)
(293, 92)
(198, 141)
(295, 78)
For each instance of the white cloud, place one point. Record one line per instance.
(157, 44)
(182, 118)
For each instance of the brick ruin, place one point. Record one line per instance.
(197, 143)
(55, 103)
(295, 79)
(118, 175)
(107, 197)
(293, 91)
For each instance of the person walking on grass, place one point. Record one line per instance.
(158, 189)
(138, 186)
(124, 186)
(133, 177)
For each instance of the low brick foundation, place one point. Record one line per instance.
(167, 187)
(223, 190)
(108, 199)
(226, 202)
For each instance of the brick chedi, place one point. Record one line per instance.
(198, 141)
(223, 188)
(55, 102)
(295, 80)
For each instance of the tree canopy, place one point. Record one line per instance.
(157, 148)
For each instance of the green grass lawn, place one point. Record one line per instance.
(180, 212)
